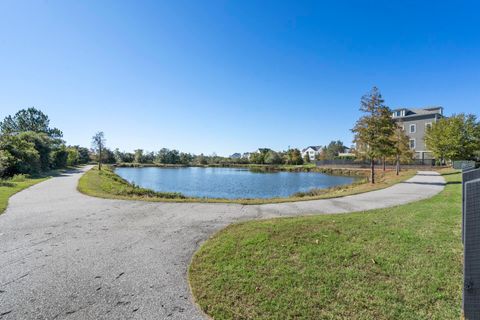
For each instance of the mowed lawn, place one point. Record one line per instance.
(11, 186)
(397, 263)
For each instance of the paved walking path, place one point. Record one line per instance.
(64, 255)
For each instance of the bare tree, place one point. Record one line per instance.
(98, 145)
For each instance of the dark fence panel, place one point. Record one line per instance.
(464, 165)
(471, 266)
(366, 164)
(467, 175)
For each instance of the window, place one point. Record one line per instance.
(413, 128)
(412, 143)
(428, 126)
(398, 113)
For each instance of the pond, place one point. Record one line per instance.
(229, 183)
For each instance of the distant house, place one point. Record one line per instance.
(246, 155)
(415, 123)
(312, 152)
(236, 156)
(348, 153)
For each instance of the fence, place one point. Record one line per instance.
(471, 243)
(366, 164)
(464, 165)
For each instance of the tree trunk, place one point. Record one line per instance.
(384, 168)
(372, 168)
(398, 165)
(100, 159)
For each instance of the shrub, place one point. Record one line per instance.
(19, 177)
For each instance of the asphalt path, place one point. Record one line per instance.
(65, 255)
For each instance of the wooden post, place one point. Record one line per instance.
(471, 247)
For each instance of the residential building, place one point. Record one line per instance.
(312, 152)
(415, 123)
(236, 156)
(246, 155)
(348, 153)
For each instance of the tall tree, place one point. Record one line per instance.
(30, 119)
(374, 130)
(98, 145)
(454, 138)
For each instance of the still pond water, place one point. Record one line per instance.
(230, 183)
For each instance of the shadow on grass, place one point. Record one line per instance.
(451, 173)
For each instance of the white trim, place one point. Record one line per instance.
(414, 128)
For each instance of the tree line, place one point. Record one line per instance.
(28, 145)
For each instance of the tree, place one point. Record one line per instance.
(59, 158)
(98, 145)
(138, 156)
(306, 158)
(374, 130)
(185, 158)
(294, 157)
(333, 149)
(108, 156)
(83, 155)
(257, 158)
(401, 148)
(18, 155)
(73, 156)
(454, 138)
(30, 119)
(273, 157)
(44, 144)
(201, 159)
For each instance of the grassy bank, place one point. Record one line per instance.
(107, 184)
(398, 263)
(16, 184)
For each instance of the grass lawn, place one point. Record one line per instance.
(107, 184)
(9, 187)
(397, 263)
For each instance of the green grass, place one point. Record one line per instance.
(107, 184)
(398, 263)
(11, 186)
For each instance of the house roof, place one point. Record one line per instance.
(316, 148)
(413, 112)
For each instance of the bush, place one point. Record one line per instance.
(19, 177)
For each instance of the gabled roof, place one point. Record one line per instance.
(316, 148)
(413, 112)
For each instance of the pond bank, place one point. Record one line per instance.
(107, 184)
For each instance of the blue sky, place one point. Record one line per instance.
(231, 76)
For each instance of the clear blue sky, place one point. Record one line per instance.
(231, 76)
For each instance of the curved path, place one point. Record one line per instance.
(64, 255)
